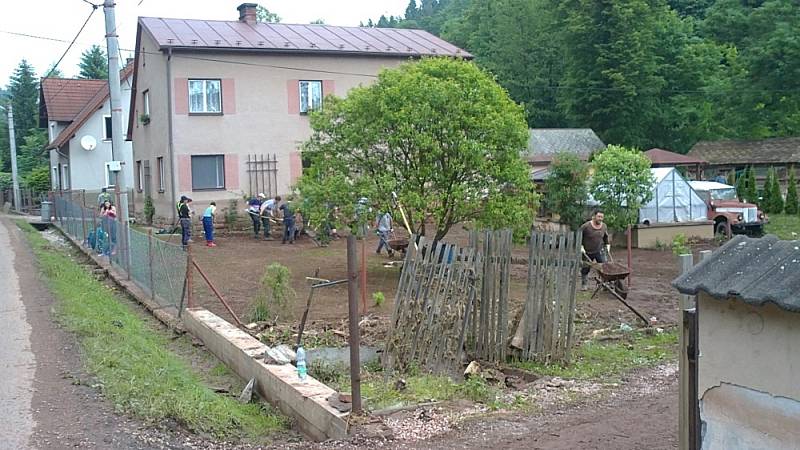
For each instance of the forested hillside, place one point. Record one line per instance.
(642, 73)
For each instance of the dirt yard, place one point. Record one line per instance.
(239, 261)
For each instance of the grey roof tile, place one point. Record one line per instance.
(763, 151)
(757, 271)
(544, 143)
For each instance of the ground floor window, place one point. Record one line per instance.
(208, 172)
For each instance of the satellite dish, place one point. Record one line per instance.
(88, 143)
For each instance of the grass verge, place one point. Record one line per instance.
(783, 225)
(607, 361)
(131, 360)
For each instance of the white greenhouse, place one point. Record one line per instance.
(674, 200)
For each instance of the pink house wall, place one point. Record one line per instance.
(228, 96)
(185, 173)
(328, 87)
(293, 91)
(181, 93)
(231, 171)
(295, 166)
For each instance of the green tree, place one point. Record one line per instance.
(438, 132)
(266, 16)
(31, 153)
(38, 179)
(24, 92)
(621, 184)
(93, 64)
(53, 72)
(731, 177)
(750, 192)
(775, 195)
(792, 206)
(411, 10)
(567, 188)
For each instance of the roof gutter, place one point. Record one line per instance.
(172, 162)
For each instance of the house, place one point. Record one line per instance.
(220, 108)
(545, 143)
(76, 110)
(727, 155)
(748, 327)
(665, 158)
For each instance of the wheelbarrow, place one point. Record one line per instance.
(609, 277)
(397, 244)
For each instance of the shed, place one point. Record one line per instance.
(748, 327)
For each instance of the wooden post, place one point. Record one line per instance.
(630, 255)
(352, 301)
(189, 262)
(685, 262)
(83, 223)
(150, 263)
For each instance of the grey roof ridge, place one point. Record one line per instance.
(701, 286)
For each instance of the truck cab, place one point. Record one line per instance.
(725, 209)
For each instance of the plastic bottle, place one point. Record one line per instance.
(302, 371)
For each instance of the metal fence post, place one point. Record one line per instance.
(126, 238)
(352, 297)
(83, 222)
(189, 262)
(685, 262)
(150, 261)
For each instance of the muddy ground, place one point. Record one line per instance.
(237, 264)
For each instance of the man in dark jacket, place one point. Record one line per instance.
(185, 216)
(595, 237)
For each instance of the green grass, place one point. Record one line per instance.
(783, 225)
(135, 369)
(606, 361)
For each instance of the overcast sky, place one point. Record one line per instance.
(61, 20)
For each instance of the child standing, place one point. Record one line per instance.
(208, 224)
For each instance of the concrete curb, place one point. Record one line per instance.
(305, 401)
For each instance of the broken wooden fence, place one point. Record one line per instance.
(547, 326)
(428, 325)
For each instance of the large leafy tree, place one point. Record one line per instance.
(93, 63)
(621, 183)
(266, 16)
(439, 132)
(568, 189)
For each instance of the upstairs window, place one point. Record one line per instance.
(205, 97)
(107, 127)
(146, 107)
(310, 96)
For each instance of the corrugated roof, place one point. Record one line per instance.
(89, 108)
(764, 151)
(544, 143)
(63, 98)
(663, 157)
(757, 271)
(288, 38)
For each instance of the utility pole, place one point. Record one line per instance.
(117, 142)
(13, 144)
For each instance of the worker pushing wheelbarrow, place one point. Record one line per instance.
(596, 254)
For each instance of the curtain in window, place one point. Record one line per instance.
(196, 96)
(310, 95)
(213, 100)
(208, 172)
(316, 94)
(304, 106)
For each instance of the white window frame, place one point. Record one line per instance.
(139, 176)
(108, 175)
(146, 102)
(205, 82)
(56, 178)
(160, 167)
(107, 117)
(65, 179)
(307, 85)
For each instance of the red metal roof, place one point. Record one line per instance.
(288, 38)
(63, 98)
(666, 158)
(88, 108)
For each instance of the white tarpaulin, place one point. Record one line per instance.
(674, 200)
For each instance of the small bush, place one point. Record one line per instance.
(379, 298)
(791, 194)
(680, 245)
(232, 215)
(149, 210)
(274, 295)
(38, 179)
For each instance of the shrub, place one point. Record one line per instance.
(567, 189)
(38, 179)
(274, 294)
(379, 298)
(149, 210)
(621, 183)
(680, 245)
(791, 194)
(231, 215)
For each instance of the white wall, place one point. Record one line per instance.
(748, 375)
(87, 168)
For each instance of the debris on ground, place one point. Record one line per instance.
(247, 392)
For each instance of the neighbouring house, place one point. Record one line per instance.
(729, 155)
(545, 143)
(692, 166)
(220, 108)
(748, 327)
(76, 110)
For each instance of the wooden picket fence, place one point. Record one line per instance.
(548, 322)
(453, 301)
(436, 289)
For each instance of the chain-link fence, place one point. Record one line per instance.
(156, 266)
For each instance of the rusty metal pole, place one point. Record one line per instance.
(189, 263)
(355, 338)
(363, 281)
(630, 256)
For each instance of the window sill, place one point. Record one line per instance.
(194, 189)
(205, 114)
(106, 140)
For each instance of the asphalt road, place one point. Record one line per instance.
(17, 361)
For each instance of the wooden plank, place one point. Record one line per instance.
(575, 268)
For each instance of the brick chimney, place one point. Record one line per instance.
(247, 12)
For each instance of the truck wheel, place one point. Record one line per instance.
(721, 230)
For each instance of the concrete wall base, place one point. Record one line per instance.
(306, 402)
(649, 236)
